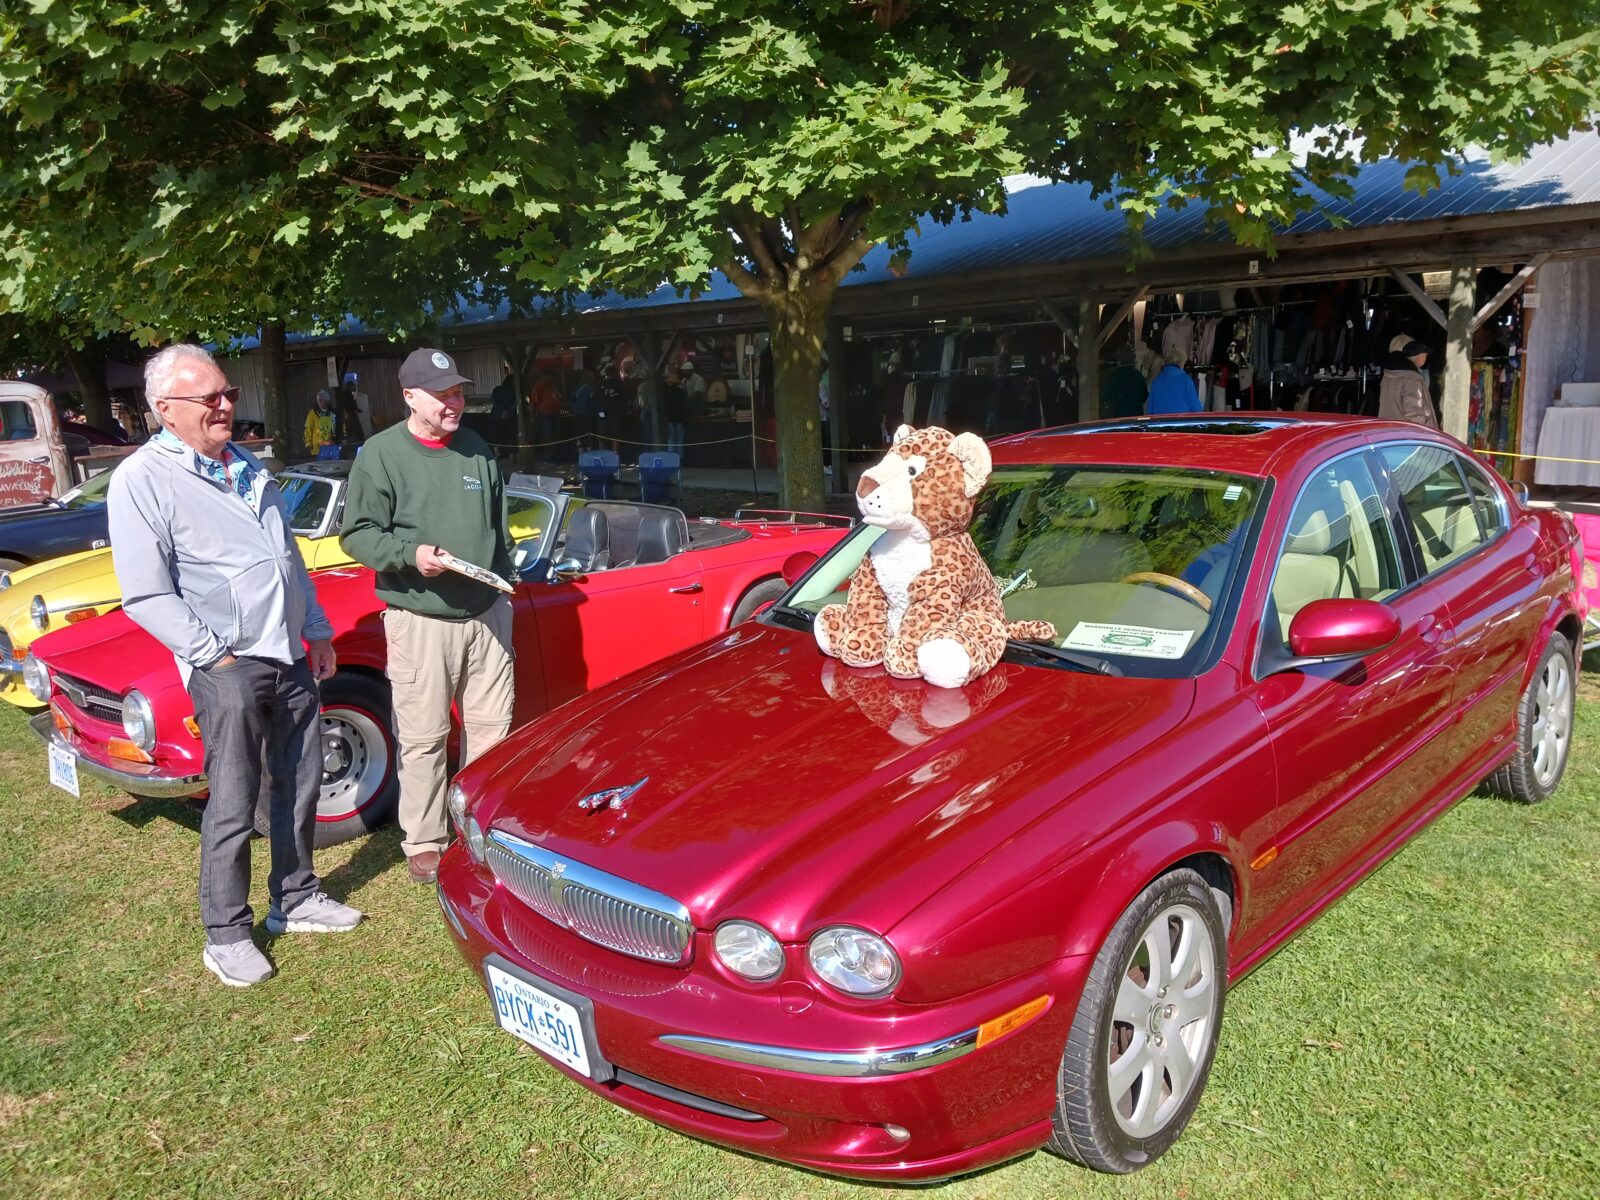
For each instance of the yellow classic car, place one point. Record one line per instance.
(76, 587)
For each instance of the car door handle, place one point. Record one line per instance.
(1430, 629)
(687, 589)
(43, 458)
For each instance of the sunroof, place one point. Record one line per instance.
(1204, 426)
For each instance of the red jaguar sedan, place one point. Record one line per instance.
(891, 931)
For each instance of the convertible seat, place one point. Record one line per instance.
(660, 537)
(589, 539)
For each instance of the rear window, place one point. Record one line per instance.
(16, 422)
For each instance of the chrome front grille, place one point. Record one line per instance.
(91, 698)
(604, 909)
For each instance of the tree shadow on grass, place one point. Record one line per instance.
(377, 853)
(143, 809)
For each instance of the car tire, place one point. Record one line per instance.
(764, 592)
(360, 784)
(1148, 1017)
(1544, 728)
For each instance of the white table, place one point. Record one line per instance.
(1569, 433)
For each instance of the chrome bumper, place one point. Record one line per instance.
(138, 778)
(867, 1064)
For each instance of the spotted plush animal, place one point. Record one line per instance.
(923, 602)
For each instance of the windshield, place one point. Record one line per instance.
(1131, 564)
(307, 500)
(90, 494)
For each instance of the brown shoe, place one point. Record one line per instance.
(423, 867)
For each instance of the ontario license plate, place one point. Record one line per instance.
(64, 768)
(547, 1023)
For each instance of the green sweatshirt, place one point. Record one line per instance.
(403, 494)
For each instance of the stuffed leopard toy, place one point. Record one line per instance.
(923, 602)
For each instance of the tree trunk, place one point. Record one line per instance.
(89, 365)
(275, 383)
(799, 323)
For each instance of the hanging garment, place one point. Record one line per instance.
(1178, 340)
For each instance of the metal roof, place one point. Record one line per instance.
(1058, 223)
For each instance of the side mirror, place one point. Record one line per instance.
(566, 571)
(796, 565)
(1326, 630)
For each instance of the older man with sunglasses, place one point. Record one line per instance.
(208, 565)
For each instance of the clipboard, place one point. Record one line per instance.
(473, 571)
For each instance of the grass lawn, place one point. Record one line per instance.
(1432, 1036)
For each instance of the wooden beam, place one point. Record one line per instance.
(1068, 326)
(1513, 285)
(1121, 315)
(1458, 349)
(1421, 297)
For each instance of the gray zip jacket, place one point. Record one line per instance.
(207, 573)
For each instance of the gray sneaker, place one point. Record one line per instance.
(237, 964)
(315, 913)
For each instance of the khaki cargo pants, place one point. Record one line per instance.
(434, 663)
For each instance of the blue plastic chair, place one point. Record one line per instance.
(659, 476)
(598, 470)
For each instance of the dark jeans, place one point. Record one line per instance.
(260, 722)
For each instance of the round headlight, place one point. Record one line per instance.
(40, 612)
(457, 800)
(475, 840)
(139, 720)
(36, 678)
(748, 950)
(854, 961)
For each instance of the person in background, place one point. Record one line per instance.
(319, 423)
(546, 402)
(422, 487)
(1123, 391)
(1403, 392)
(583, 409)
(503, 411)
(363, 403)
(1172, 391)
(674, 411)
(347, 429)
(209, 567)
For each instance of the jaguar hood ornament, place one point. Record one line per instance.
(611, 798)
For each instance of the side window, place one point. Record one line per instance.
(1442, 513)
(16, 422)
(1340, 544)
(1486, 502)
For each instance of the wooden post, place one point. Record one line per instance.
(1458, 349)
(1088, 359)
(838, 402)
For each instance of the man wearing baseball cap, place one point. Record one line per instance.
(418, 489)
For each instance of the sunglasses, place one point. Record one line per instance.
(211, 399)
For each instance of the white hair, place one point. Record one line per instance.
(163, 365)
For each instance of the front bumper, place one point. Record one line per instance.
(140, 779)
(784, 1071)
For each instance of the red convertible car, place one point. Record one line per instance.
(897, 932)
(606, 587)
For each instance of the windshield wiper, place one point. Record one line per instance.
(802, 618)
(1084, 662)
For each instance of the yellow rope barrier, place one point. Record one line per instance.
(1593, 462)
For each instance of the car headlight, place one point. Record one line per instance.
(40, 612)
(457, 800)
(475, 841)
(748, 950)
(854, 961)
(36, 678)
(139, 720)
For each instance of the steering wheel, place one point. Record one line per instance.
(1172, 583)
